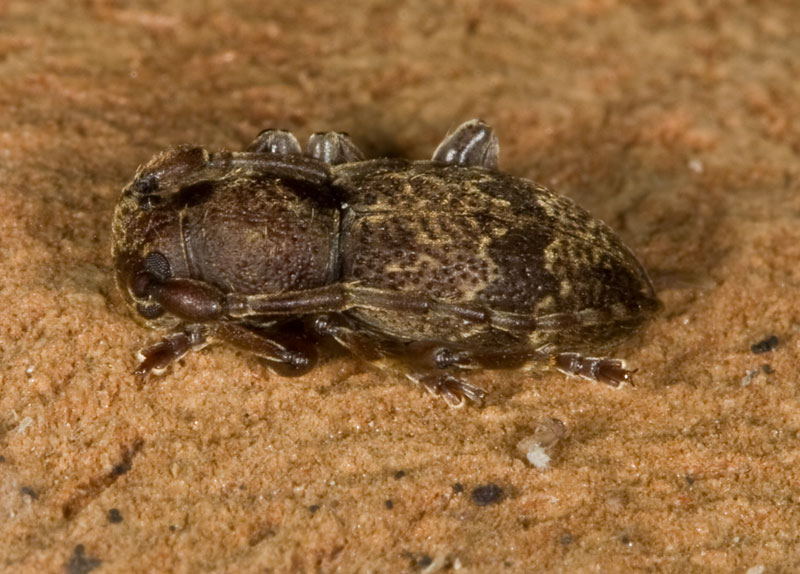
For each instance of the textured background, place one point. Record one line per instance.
(676, 122)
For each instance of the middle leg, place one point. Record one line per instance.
(287, 347)
(428, 365)
(333, 148)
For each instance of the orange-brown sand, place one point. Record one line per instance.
(676, 122)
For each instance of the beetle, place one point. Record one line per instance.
(427, 268)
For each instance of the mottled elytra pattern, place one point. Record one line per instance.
(426, 268)
(481, 238)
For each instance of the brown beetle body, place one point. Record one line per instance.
(440, 265)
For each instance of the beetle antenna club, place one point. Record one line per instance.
(431, 269)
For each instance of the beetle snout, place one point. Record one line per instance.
(153, 270)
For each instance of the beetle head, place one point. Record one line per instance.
(236, 221)
(147, 242)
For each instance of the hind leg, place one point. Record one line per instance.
(435, 356)
(612, 372)
(473, 143)
(435, 365)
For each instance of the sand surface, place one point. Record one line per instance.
(676, 122)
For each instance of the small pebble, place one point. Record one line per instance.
(537, 447)
(487, 494)
(79, 563)
(437, 564)
(748, 378)
(24, 424)
(28, 491)
(114, 516)
(765, 346)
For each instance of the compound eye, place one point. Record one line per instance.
(157, 266)
(150, 311)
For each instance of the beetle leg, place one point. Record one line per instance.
(156, 358)
(191, 300)
(341, 297)
(609, 371)
(453, 390)
(360, 343)
(333, 148)
(472, 143)
(179, 167)
(289, 352)
(325, 299)
(375, 349)
(437, 355)
(290, 166)
(275, 141)
(613, 372)
(196, 301)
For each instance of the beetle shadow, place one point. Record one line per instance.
(678, 221)
(69, 231)
(382, 144)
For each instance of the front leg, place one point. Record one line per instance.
(289, 351)
(203, 307)
(156, 358)
(190, 300)
(273, 154)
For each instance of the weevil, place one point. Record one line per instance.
(428, 268)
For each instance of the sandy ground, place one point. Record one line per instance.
(676, 122)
